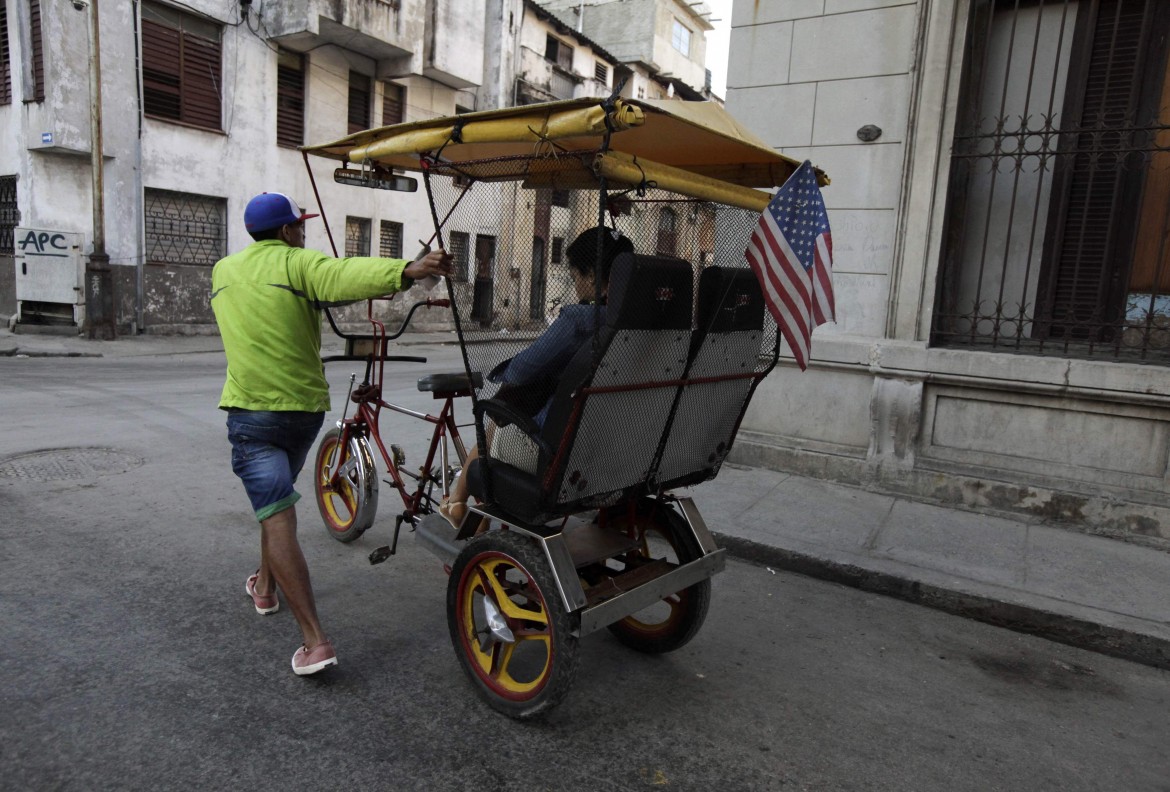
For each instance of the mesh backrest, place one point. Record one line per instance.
(609, 432)
(729, 338)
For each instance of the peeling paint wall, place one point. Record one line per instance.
(232, 164)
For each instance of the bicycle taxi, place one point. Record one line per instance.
(588, 524)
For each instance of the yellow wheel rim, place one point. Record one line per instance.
(342, 494)
(515, 669)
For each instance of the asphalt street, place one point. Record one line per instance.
(133, 660)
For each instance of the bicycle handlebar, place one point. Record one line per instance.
(427, 303)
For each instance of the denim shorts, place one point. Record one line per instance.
(268, 451)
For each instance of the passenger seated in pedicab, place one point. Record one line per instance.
(529, 378)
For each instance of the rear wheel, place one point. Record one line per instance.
(349, 503)
(673, 621)
(509, 627)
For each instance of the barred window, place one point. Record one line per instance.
(183, 228)
(5, 60)
(359, 102)
(1059, 191)
(357, 236)
(460, 250)
(290, 99)
(9, 215)
(390, 239)
(181, 69)
(37, 54)
(558, 247)
(393, 104)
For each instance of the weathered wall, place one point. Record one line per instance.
(1078, 442)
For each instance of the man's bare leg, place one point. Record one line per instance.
(281, 559)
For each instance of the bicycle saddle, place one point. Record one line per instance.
(450, 382)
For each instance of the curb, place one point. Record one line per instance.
(1063, 628)
(18, 352)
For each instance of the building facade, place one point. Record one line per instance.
(204, 105)
(999, 209)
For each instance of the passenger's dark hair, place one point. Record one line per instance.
(582, 253)
(268, 233)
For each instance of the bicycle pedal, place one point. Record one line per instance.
(398, 454)
(380, 554)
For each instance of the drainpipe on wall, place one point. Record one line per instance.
(139, 188)
(99, 298)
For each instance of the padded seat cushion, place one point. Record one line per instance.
(450, 382)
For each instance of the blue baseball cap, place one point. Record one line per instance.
(272, 210)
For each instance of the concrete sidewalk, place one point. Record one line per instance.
(1088, 591)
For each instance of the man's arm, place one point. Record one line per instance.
(328, 280)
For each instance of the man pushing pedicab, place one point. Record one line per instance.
(267, 301)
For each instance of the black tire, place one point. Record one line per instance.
(673, 622)
(530, 674)
(349, 510)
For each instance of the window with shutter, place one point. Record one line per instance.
(357, 236)
(5, 67)
(390, 239)
(290, 99)
(181, 67)
(359, 102)
(601, 72)
(1059, 189)
(666, 231)
(393, 104)
(37, 62)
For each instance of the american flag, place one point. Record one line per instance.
(791, 252)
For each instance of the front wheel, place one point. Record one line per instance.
(509, 628)
(345, 481)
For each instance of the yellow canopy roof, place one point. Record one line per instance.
(676, 140)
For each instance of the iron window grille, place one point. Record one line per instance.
(9, 215)
(390, 239)
(460, 249)
(290, 99)
(184, 228)
(357, 236)
(359, 102)
(1056, 236)
(182, 72)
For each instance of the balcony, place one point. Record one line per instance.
(379, 29)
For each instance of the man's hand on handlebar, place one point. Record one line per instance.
(436, 263)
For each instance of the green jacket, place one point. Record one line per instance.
(267, 301)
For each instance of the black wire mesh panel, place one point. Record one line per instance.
(603, 374)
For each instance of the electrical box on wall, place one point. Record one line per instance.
(49, 271)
